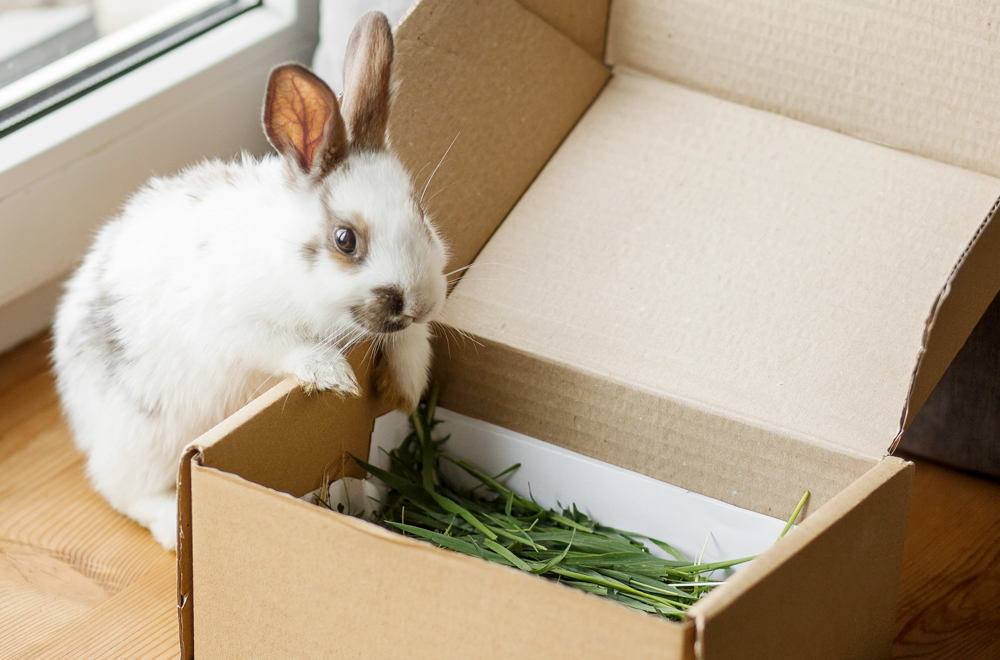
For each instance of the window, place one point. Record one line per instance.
(176, 87)
(51, 55)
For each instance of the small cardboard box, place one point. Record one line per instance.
(736, 260)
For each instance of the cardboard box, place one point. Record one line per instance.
(737, 262)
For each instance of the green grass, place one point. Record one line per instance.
(492, 522)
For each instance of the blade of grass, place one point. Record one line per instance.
(508, 555)
(795, 514)
(552, 563)
(708, 568)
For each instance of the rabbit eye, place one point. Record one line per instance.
(346, 240)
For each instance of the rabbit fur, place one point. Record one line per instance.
(212, 283)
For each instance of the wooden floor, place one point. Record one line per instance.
(79, 581)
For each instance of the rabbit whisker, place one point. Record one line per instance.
(459, 270)
(468, 335)
(447, 336)
(431, 198)
(370, 351)
(480, 264)
(440, 162)
(262, 384)
(421, 169)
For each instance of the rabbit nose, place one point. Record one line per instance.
(384, 311)
(391, 300)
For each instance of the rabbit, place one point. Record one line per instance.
(213, 282)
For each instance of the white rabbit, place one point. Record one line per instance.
(216, 280)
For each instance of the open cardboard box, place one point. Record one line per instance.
(732, 290)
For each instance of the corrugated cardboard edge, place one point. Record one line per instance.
(970, 288)
(185, 579)
(192, 454)
(864, 527)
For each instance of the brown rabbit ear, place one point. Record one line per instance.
(367, 76)
(302, 120)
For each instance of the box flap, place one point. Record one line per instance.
(494, 87)
(585, 22)
(917, 75)
(735, 259)
(964, 299)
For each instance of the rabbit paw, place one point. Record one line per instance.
(401, 373)
(164, 529)
(333, 374)
(158, 513)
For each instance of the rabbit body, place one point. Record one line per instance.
(215, 281)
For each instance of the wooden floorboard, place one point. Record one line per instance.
(949, 599)
(77, 580)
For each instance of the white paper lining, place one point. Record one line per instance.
(608, 494)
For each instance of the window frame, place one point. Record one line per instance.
(97, 63)
(65, 173)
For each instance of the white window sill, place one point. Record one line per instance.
(64, 174)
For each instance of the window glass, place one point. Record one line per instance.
(54, 51)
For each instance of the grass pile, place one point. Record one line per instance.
(492, 522)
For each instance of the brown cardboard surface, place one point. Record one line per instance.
(708, 252)
(500, 83)
(841, 565)
(253, 443)
(706, 450)
(185, 562)
(958, 309)
(323, 439)
(372, 593)
(583, 21)
(917, 75)
(279, 578)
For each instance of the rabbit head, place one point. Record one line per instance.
(373, 251)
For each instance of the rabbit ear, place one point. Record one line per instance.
(367, 75)
(302, 120)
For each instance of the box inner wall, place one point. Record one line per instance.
(915, 75)
(717, 254)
